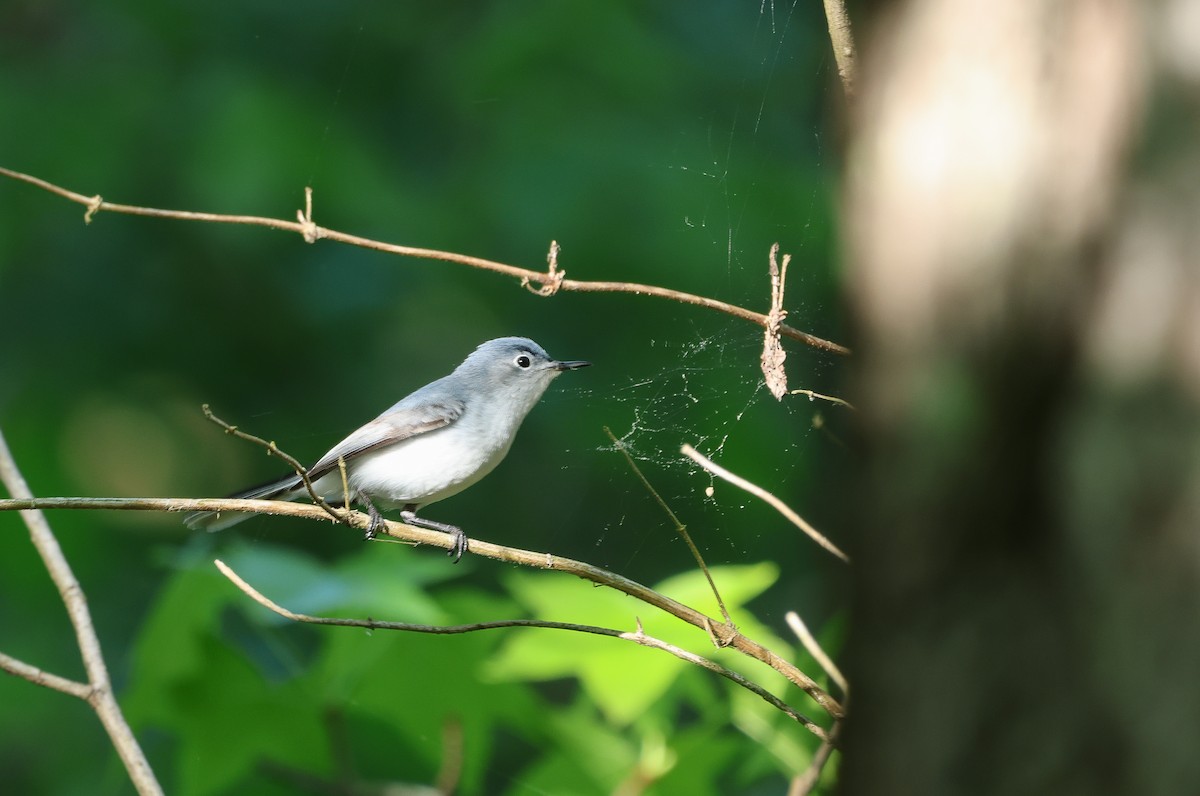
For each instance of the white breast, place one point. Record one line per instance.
(421, 470)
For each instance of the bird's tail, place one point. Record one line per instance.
(288, 488)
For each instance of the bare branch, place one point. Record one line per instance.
(648, 641)
(638, 637)
(276, 507)
(803, 784)
(726, 635)
(550, 281)
(291, 461)
(814, 649)
(812, 396)
(39, 677)
(759, 492)
(99, 689)
(375, 624)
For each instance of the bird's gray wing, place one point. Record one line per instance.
(395, 425)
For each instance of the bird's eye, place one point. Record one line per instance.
(523, 361)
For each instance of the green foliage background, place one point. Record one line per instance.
(668, 144)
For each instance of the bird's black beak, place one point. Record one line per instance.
(572, 365)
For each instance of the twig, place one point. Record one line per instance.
(773, 355)
(814, 649)
(291, 461)
(842, 39)
(345, 481)
(812, 396)
(803, 784)
(43, 678)
(638, 637)
(679, 526)
(409, 533)
(550, 281)
(99, 688)
(759, 492)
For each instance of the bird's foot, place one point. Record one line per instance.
(373, 513)
(460, 542)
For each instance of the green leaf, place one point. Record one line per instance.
(624, 679)
(586, 757)
(169, 649)
(702, 755)
(189, 681)
(230, 721)
(415, 682)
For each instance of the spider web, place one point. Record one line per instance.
(713, 397)
(705, 386)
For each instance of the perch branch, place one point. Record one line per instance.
(408, 533)
(550, 281)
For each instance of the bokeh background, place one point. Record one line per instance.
(664, 144)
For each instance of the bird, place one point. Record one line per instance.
(430, 445)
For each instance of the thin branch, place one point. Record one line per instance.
(842, 39)
(680, 528)
(375, 624)
(39, 677)
(99, 691)
(814, 649)
(549, 282)
(803, 784)
(638, 637)
(648, 641)
(759, 492)
(726, 636)
(812, 396)
(291, 461)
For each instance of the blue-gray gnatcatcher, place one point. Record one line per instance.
(434, 443)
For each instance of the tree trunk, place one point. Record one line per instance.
(1022, 225)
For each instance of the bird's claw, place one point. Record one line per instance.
(372, 527)
(459, 546)
(373, 513)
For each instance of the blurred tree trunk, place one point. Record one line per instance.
(1022, 226)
